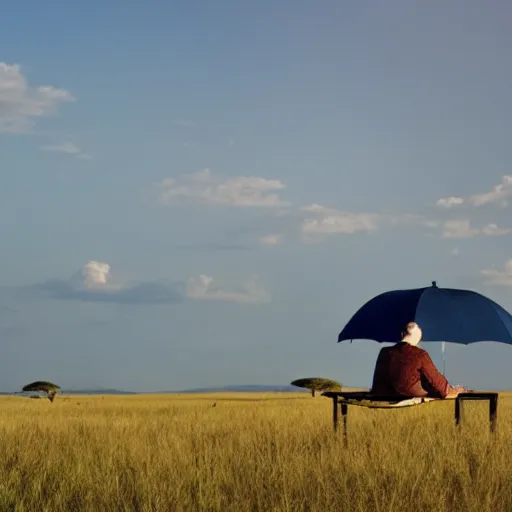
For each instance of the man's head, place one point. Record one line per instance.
(412, 333)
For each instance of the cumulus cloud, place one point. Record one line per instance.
(458, 229)
(94, 283)
(324, 221)
(271, 239)
(95, 274)
(205, 287)
(463, 229)
(499, 194)
(202, 187)
(21, 104)
(67, 148)
(449, 202)
(494, 230)
(499, 277)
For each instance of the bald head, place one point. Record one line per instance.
(412, 333)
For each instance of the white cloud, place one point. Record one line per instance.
(316, 208)
(243, 191)
(67, 148)
(330, 221)
(205, 287)
(271, 240)
(458, 229)
(463, 229)
(497, 277)
(95, 274)
(494, 230)
(499, 194)
(94, 283)
(449, 202)
(21, 104)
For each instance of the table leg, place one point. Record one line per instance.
(492, 398)
(344, 413)
(458, 411)
(493, 412)
(335, 413)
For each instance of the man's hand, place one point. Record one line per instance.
(455, 391)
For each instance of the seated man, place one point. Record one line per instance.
(407, 370)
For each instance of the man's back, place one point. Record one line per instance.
(406, 370)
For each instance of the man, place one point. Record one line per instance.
(407, 370)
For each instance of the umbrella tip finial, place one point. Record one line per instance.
(434, 284)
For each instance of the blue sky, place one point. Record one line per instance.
(203, 193)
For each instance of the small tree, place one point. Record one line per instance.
(43, 386)
(317, 384)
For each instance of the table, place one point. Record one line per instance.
(366, 399)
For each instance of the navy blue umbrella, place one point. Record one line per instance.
(444, 314)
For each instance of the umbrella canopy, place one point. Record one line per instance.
(444, 314)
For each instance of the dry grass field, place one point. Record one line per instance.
(252, 452)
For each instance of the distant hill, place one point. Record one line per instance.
(96, 392)
(226, 389)
(261, 388)
(248, 388)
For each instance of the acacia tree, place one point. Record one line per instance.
(317, 384)
(49, 388)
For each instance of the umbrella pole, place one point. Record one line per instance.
(443, 349)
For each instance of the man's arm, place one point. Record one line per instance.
(434, 377)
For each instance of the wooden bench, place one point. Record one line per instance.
(366, 399)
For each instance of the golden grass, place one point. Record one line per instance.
(253, 452)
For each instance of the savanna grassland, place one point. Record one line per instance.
(251, 452)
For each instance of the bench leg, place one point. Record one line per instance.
(493, 413)
(344, 412)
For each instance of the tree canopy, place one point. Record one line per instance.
(49, 388)
(317, 384)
